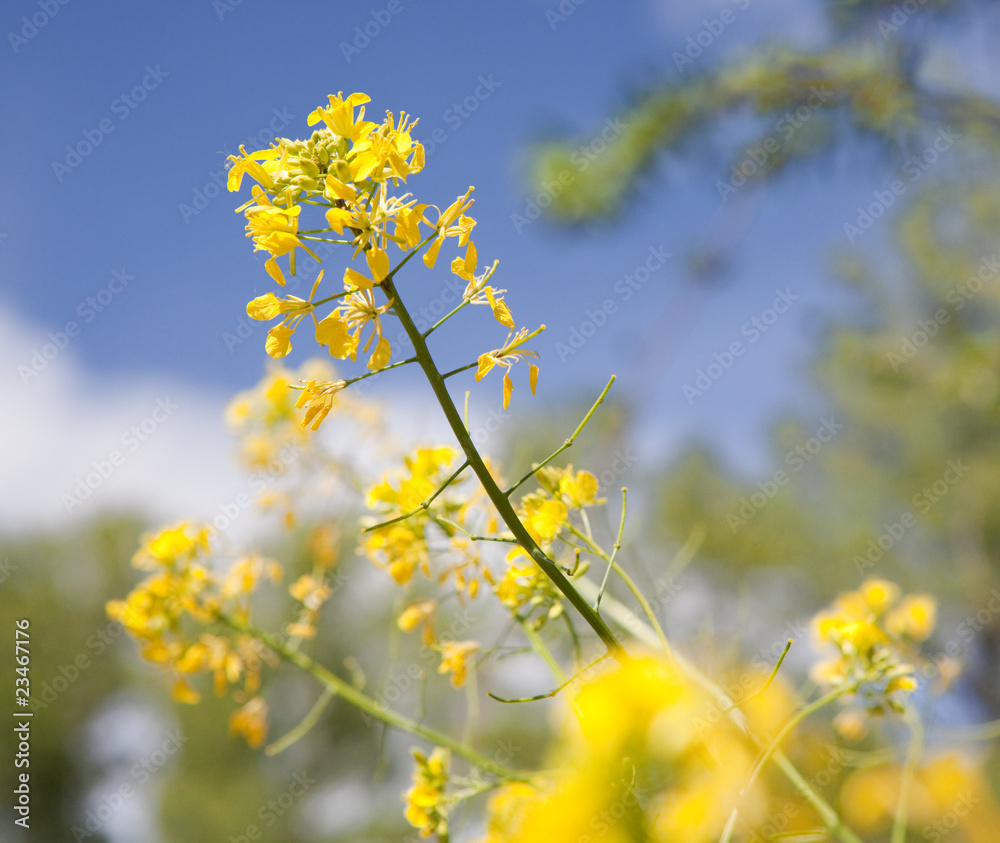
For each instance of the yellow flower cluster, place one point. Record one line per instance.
(401, 547)
(546, 514)
(680, 780)
(874, 632)
(347, 167)
(426, 802)
(180, 587)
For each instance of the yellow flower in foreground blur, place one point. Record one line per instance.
(250, 721)
(455, 657)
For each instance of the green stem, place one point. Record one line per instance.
(499, 499)
(801, 715)
(372, 707)
(647, 610)
(423, 506)
(909, 771)
(566, 444)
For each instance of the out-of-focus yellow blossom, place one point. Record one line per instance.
(312, 592)
(426, 802)
(914, 618)
(455, 656)
(250, 721)
(415, 614)
(680, 782)
(505, 812)
(243, 576)
(949, 798)
(875, 638)
(171, 547)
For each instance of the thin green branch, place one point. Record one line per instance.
(568, 443)
(614, 550)
(445, 318)
(459, 370)
(767, 684)
(362, 701)
(379, 371)
(444, 522)
(913, 753)
(640, 598)
(554, 691)
(300, 731)
(423, 506)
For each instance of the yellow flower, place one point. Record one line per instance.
(318, 398)
(915, 617)
(505, 357)
(455, 656)
(269, 306)
(171, 546)
(257, 165)
(447, 227)
(544, 518)
(250, 721)
(310, 591)
(339, 116)
(415, 614)
(580, 489)
(426, 803)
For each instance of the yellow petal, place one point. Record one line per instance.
(381, 355)
(335, 332)
(378, 263)
(508, 387)
(337, 189)
(353, 278)
(271, 265)
(532, 377)
(264, 307)
(337, 218)
(279, 341)
(430, 256)
(486, 362)
(500, 309)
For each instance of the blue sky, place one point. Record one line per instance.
(163, 92)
